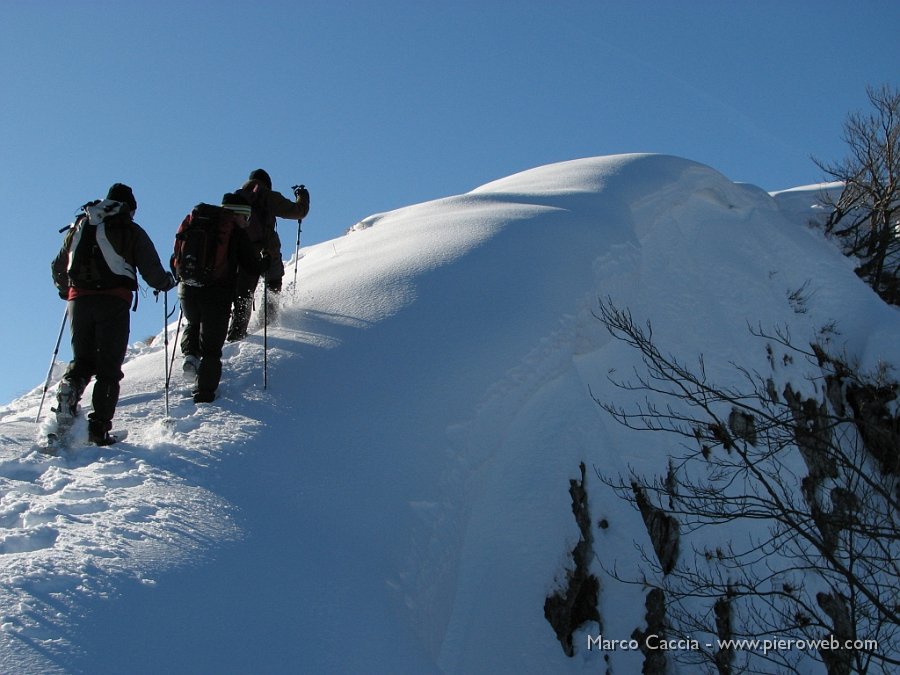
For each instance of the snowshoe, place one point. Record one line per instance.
(53, 443)
(57, 436)
(66, 404)
(190, 366)
(112, 437)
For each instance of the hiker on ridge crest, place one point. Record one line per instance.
(266, 205)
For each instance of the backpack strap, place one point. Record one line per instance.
(96, 260)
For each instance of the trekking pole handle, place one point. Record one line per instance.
(297, 189)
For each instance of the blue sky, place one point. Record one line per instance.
(377, 105)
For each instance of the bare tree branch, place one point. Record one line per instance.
(811, 481)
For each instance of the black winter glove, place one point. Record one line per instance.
(302, 195)
(168, 286)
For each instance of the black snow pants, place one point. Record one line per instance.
(100, 328)
(243, 300)
(206, 312)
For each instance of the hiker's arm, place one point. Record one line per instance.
(286, 208)
(146, 259)
(59, 268)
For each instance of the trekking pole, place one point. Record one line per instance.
(174, 347)
(265, 334)
(52, 363)
(166, 343)
(297, 189)
(297, 254)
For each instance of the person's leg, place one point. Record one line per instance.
(216, 312)
(111, 331)
(190, 338)
(243, 306)
(83, 364)
(274, 279)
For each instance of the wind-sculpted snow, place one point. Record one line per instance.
(72, 528)
(397, 499)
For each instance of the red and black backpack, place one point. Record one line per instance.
(201, 246)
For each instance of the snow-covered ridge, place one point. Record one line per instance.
(396, 500)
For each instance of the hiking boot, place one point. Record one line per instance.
(98, 432)
(240, 319)
(66, 401)
(274, 303)
(204, 396)
(190, 366)
(236, 335)
(271, 315)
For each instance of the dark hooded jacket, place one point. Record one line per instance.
(130, 242)
(268, 205)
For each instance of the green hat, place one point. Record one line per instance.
(236, 203)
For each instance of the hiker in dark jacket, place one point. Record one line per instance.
(206, 303)
(267, 205)
(95, 272)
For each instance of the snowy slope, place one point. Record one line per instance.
(397, 499)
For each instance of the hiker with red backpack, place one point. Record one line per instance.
(95, 271)
(267, 205)
(210, 247)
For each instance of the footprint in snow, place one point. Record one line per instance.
(28, 541)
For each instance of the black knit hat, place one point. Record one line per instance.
(262, 177)
(122, 193)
